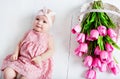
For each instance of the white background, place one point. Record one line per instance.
(16, 18)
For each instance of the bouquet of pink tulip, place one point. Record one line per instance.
(97, 40)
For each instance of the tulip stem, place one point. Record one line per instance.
(95, 19)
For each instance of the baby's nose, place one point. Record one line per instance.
(40, 22)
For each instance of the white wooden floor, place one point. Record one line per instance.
(16, 17)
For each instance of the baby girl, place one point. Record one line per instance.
(32, 58)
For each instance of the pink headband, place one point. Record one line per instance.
(48, 15)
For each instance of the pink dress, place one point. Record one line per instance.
(33, 44)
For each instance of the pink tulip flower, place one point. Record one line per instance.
(89, 38)
(112, 34)
(80, 54)
(90, 74)
(88, 61)
(102, 30)
(108, 47)
(110, 57)
(104, 56)
(111, 64)
(115, 70)
(76, 29)
(103, 67)
(94, 34)
(83, 47)
(113, 67)
(77, 52)
(96, 62)
(81, 37)
(97, 51)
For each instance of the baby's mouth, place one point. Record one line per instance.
(38, 26)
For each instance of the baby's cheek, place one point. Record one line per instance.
(46, 28)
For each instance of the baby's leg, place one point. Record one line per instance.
(9, 73)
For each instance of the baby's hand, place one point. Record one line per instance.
(14, 57)
(36, 60)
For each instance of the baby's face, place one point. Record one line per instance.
(41, 24)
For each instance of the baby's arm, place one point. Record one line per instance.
(16, 53)
(49, 52)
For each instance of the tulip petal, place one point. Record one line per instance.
(76, 29)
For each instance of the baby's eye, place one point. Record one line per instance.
(44, 21)
(37, 18)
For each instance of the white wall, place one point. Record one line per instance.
(16, 17)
